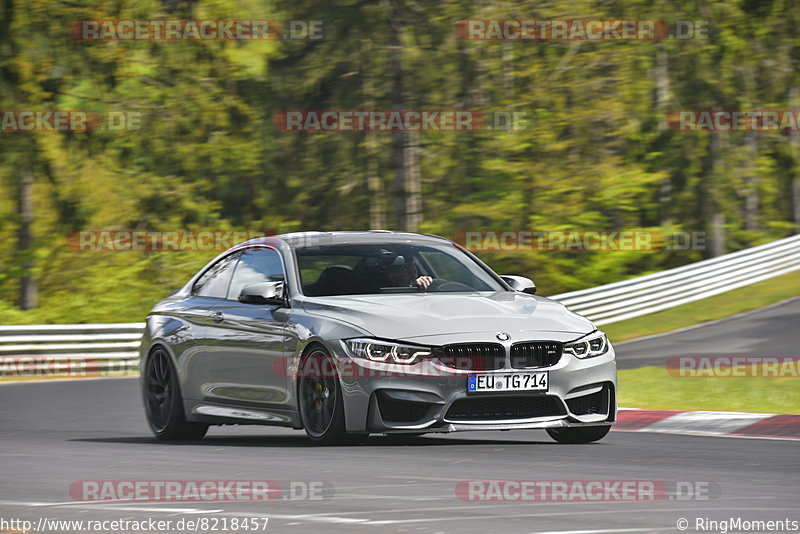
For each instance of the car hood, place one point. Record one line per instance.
(408, 316)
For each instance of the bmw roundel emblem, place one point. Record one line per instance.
(502, 336)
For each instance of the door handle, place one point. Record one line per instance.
(216, 316)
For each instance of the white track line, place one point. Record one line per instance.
(104, 506)
(319, 518)
(702, 434)
(609, 530)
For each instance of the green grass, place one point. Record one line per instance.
(654, 388)
(718, 307)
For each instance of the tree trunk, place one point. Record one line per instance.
(413, 182)
(717, 240)
(460, 184)
(751, 183)
(27, 285)
(794, 145)
(405, 147)
(661, 74)
(398, 138)
(508, 68)
(377, 215)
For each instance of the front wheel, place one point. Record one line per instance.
(163, 402)
(579, 434)
(320, 399)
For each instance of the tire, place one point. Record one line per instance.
(163, 401)
(580, 434)
(319, 396)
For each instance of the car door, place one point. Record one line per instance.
(196, 314)
(247, 342)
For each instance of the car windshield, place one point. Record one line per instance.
(358, 269)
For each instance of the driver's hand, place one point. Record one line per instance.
(424, 282)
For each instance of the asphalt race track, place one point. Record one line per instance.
(55, 433)
(772, 331)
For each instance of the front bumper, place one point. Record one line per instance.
(430, 397)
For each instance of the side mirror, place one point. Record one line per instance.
(520, 283)
(263, 293)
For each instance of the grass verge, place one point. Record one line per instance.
(717, 307)
(654, 388)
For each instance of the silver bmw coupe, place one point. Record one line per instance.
(352, 333)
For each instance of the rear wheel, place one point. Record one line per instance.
(320, 399)
(579, 434)
(163, 401)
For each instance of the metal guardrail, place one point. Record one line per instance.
(78, 350)
(648, 294)
(108, 349)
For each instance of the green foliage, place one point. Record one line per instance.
(593, 154)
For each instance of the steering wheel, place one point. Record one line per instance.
(447, 285)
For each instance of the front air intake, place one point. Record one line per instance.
(473, 356)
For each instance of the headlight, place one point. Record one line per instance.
(386, 351)
(595, 344)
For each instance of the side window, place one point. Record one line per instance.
(215, 281)
(256, 266)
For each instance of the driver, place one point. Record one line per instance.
(402, 273)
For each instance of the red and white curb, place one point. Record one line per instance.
(732, 424)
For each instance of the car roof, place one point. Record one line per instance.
(306, 239)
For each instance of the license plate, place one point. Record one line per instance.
(507, 382)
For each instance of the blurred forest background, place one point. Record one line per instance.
(596, 154)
